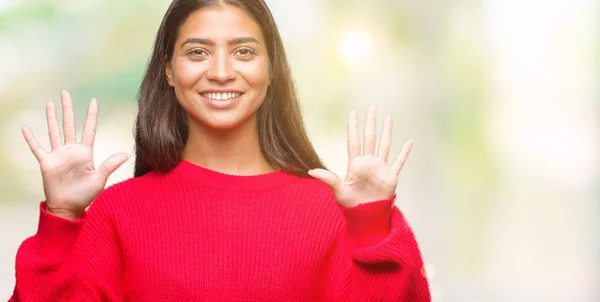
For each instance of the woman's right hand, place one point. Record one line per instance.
(71, 181)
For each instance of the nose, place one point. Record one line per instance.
(220, 69)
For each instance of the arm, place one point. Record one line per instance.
(375, 258)
(74, 257)
(386, 262)
(382, 260)
(70, 260)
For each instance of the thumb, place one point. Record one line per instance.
(112, 163)
(328, 178)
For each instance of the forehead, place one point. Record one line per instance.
(220, 22)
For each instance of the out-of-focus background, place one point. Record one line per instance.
(502, 98)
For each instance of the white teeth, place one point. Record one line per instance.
(221, 96)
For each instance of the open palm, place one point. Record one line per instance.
(70, 179)
(369, 177)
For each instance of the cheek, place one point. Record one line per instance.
(256, 74)
(187, 74)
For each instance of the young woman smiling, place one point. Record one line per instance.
(229, 201)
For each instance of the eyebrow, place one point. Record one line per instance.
(209, 42)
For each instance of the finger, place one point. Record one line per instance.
(401, 159)
(386, 139)
(35, 147)
(68, 117)
(89, 129)
(370, 127)
(53, 130)
(353, 140)
(112, 163)
(328, 178)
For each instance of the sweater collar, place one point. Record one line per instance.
(208, 177)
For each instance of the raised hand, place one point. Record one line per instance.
(71, 181)
(369, 177)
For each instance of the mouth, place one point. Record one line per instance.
(221, 96)
(221, 100)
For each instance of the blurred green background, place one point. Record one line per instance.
(501, 97)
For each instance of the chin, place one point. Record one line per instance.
(223, 122)
(222, 126)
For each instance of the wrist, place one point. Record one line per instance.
(67, 214)
(368, 223)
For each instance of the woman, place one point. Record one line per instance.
(222, 206)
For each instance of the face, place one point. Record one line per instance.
(220, 67)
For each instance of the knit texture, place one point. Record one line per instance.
(194, 234)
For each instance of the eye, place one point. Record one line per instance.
(245, 52)
(197, 52)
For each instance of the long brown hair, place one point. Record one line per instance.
(161, 128)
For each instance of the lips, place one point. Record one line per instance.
(221, 96)
(221, 100)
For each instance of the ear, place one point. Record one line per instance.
(169, 72)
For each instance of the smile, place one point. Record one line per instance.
(220, 96)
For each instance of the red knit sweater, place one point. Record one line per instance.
(195, 234)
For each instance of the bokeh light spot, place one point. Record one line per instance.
(354, 46)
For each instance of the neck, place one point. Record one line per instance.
(232, 151)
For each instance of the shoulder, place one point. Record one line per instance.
(312, 190)
(312, 185)
(314, 206)
(133, 184)
(129, 190)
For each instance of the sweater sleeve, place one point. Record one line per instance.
(377, 257)
(70, 260)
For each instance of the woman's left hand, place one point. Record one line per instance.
(369, 177)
